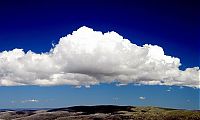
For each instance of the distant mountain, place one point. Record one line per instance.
(101, 112)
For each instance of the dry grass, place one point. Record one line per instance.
(102, 113)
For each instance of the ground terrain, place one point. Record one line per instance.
(101, 112)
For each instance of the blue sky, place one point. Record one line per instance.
(60, 96)
(35, 25)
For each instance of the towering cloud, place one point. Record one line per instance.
(88, 57)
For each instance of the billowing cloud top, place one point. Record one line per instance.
(88, 57)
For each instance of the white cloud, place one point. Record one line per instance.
(77, 86)
(120, 84)
(30, 101)
(88, 57)
(142, 98)
(181, 87)
(168, 90)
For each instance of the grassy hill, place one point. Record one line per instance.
(102, 112)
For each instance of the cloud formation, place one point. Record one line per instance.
(142, 98)
(30, 101)
(88, 57)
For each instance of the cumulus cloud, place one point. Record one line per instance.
(142, 98)
(88, 57)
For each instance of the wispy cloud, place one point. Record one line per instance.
(30, 101)
(78, 86)
(120, 84)
(87, 57)
(168, 90)
(115, 98)
(181, 87)
(187, 100)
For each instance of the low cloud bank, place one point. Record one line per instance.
(88, 57)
